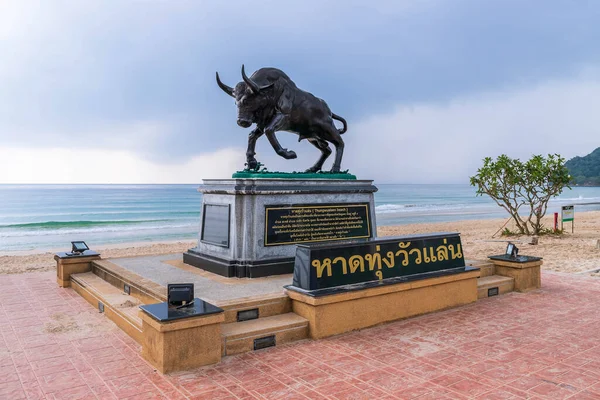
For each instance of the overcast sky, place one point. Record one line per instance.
(124, 91)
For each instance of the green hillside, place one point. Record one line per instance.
(585, 170)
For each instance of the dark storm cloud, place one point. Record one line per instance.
(140, 75)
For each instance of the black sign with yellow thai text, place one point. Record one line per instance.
(309, 223)
(329, 265)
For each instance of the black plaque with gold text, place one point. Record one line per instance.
(393, 259)
(309, 223)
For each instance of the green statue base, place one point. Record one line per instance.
(263, 174)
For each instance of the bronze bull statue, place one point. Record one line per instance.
(271, 100)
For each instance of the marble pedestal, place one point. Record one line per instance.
(233, 239)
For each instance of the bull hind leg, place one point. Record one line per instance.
(331, 134)
(325, 152)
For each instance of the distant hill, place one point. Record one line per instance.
(585, 170)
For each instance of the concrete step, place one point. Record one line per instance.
(146, 291)
(263, 306)
(119, 307)
(497, 283)
(486, 268)
(240, 337)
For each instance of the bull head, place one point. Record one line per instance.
(251, 84)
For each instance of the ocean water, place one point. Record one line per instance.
(49, 217)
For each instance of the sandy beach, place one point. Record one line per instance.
(571, 252)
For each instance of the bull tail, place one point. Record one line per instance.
(342, 120)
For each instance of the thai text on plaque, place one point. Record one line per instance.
(292, 224)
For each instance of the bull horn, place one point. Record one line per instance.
(253, 86)
(223, 86)
(250, 82)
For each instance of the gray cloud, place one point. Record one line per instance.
(140, 76)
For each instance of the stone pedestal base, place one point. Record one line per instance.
(73, 264)
(233, 238)
(527, 275)
(181, 344)
(338, 313)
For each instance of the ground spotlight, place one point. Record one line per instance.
(78, 247)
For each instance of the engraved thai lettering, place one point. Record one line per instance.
(379, 274)
(321, 266)
(426, 258)
(390, 260)
(432, 256)
(403, 245)
(455, 254)
(343, 261)
(374, 259)
(356, 262)
(418, 259)
(442, 251)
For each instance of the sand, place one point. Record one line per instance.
(577, 252)
(31, 261)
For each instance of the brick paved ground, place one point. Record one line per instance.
(544, 344)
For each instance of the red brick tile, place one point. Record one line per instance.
(319, 378)
(51, 365)
(159, 380)
(28, 342)
(60, 381)
(8, 373)
(529, 365)
(12, 390)
(217, 394)
(334, 387)
(199, 385)
(275, 391)
(448, 379)
(385, 358)
(414, 392)
(102, 392)
(593, 365)
(504, 373)
(354, 394)
(26, 375)
(177, 395)
(580, 379)
(497, 394)
(115, 369)
(470, 387)
(423, 370)
(33, 391)
(129, 385)
(146, 396)
(6, 359)
(75, 393)
(395, 382)
(43, 352)
(241, 392)
(553, 390)
(585, 395)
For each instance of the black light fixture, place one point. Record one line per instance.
(511, 250)
(180, 294)
(78, 247)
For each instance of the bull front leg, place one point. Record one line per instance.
(250, 152)
(276, 124)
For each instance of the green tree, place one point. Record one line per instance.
(523, 189)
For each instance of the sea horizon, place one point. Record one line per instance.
(44, 217)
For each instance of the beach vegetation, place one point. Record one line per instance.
(523, 189)
(508, 232)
